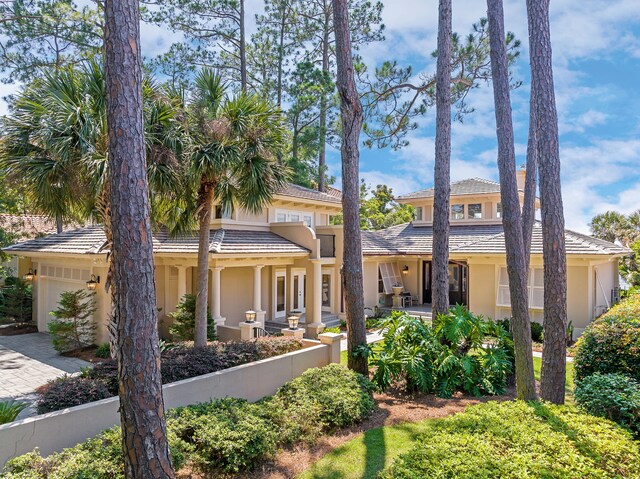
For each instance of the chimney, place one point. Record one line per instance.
(521, 175)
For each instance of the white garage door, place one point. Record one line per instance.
(55, 280)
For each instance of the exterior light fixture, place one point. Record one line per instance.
(93, 283)
(294, 319)
(405, 270)
(250, 316)
(30, 275)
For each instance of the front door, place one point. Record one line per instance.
(458, 276)
(326, 291)
(299, 291)
(281, 294)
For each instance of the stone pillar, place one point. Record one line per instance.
(315, 326)
(257, 292)
(182, 282)
(297, 333)
(215, 296)
(246, 329)
(333, 341)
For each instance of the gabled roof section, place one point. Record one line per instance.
(332, 195)
(471, 186)
(92, 240)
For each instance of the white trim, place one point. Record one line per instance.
(295, 216)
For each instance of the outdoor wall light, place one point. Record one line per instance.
(93, 283)
(250, 316)
(294, 319)
(405, 270)
(30, 275)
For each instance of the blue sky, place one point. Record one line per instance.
(596, 46)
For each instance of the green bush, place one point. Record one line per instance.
(517, 440)
(103, 351)
(16, 301)
(537, 332)
(69, 391)
(460, 352)
(228, 434)
(73, 327)
(184, 320)
(611, 344)
(9, 410)
(614, 396)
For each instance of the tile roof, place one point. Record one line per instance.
(471, 186)
(407, 239)
(27, 226)
(331, 196)
(92, 240)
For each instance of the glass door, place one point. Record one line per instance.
(280, 295)
(326, 291)
(299, 291)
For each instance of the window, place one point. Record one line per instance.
(535, 288)
(499, 210)
(390, 274)
(418, 213)
(307, 220)
(457, 212)
(223, 214)
(474, 211)
(287, 216)
(281, 217)
(326, 290)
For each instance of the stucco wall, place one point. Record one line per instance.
(236, 293)
(482, 289)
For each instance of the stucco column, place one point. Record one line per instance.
(316, 326)
(215, 296)
(182, 282)
(257, 292)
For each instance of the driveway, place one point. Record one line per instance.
(28, 361)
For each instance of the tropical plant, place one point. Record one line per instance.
(460, 352)
(233, 148)
(184, 320)
(73, 326)
(9, 410)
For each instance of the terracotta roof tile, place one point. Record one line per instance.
(331, 196)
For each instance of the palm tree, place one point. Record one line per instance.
(233, 150)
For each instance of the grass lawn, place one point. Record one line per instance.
(365, 456)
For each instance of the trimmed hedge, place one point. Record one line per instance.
(180, 362)
(517, 440)
(226, 435)
(611, 344)
(614, 396)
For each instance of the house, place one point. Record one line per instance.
(288, 258)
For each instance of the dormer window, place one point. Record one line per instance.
(457, 212)
(474, 211)
(418, 213)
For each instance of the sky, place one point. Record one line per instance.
(596, 49)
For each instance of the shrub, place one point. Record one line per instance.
(537, 332)
(460, 352)
(614, 396)
(184, 320)
(611, 344)
(70, 391)
(275, 346)
(230, 434)
(321, 400)
(103, 351)
(16, 301)
(73, 326)
(107, 373)
(513, 440)
(9, 410)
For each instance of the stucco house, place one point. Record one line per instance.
(288, 257)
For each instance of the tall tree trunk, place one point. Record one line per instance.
(243, 50)
(553, 372)
(517, 267)
(442, 163)
(351, 111)
(144, 438)
(530, 186)
(205, 200)
(323, 111)
(283, 25)
(59, 223)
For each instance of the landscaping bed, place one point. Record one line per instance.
(177, 363)
(16, 329)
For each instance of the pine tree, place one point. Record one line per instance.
(73, 327)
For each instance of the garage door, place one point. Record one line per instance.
(53, 281)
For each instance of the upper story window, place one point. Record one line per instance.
(223, 213)
(499, 210)
(418, 214)
(457, 212)
(287, 216)
(474, 211)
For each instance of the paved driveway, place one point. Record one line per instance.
(28, 361)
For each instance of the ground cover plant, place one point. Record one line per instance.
(179, 362)
(223, 436)
(515, 439)
(458, 352)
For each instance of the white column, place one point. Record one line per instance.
(257, 292)
(316, 326)
(215, 295)
(182, 282)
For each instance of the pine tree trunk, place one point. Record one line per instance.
(59, 223)
(205, 200)
(144, 439)
(243, 50)
(552, 378)
(323, 113)
(440, 281)
(351, 111)
(283, 25)
(517, 267)
(529, 204)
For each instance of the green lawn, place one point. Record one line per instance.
(366, 455)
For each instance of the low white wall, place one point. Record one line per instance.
(55, 431)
